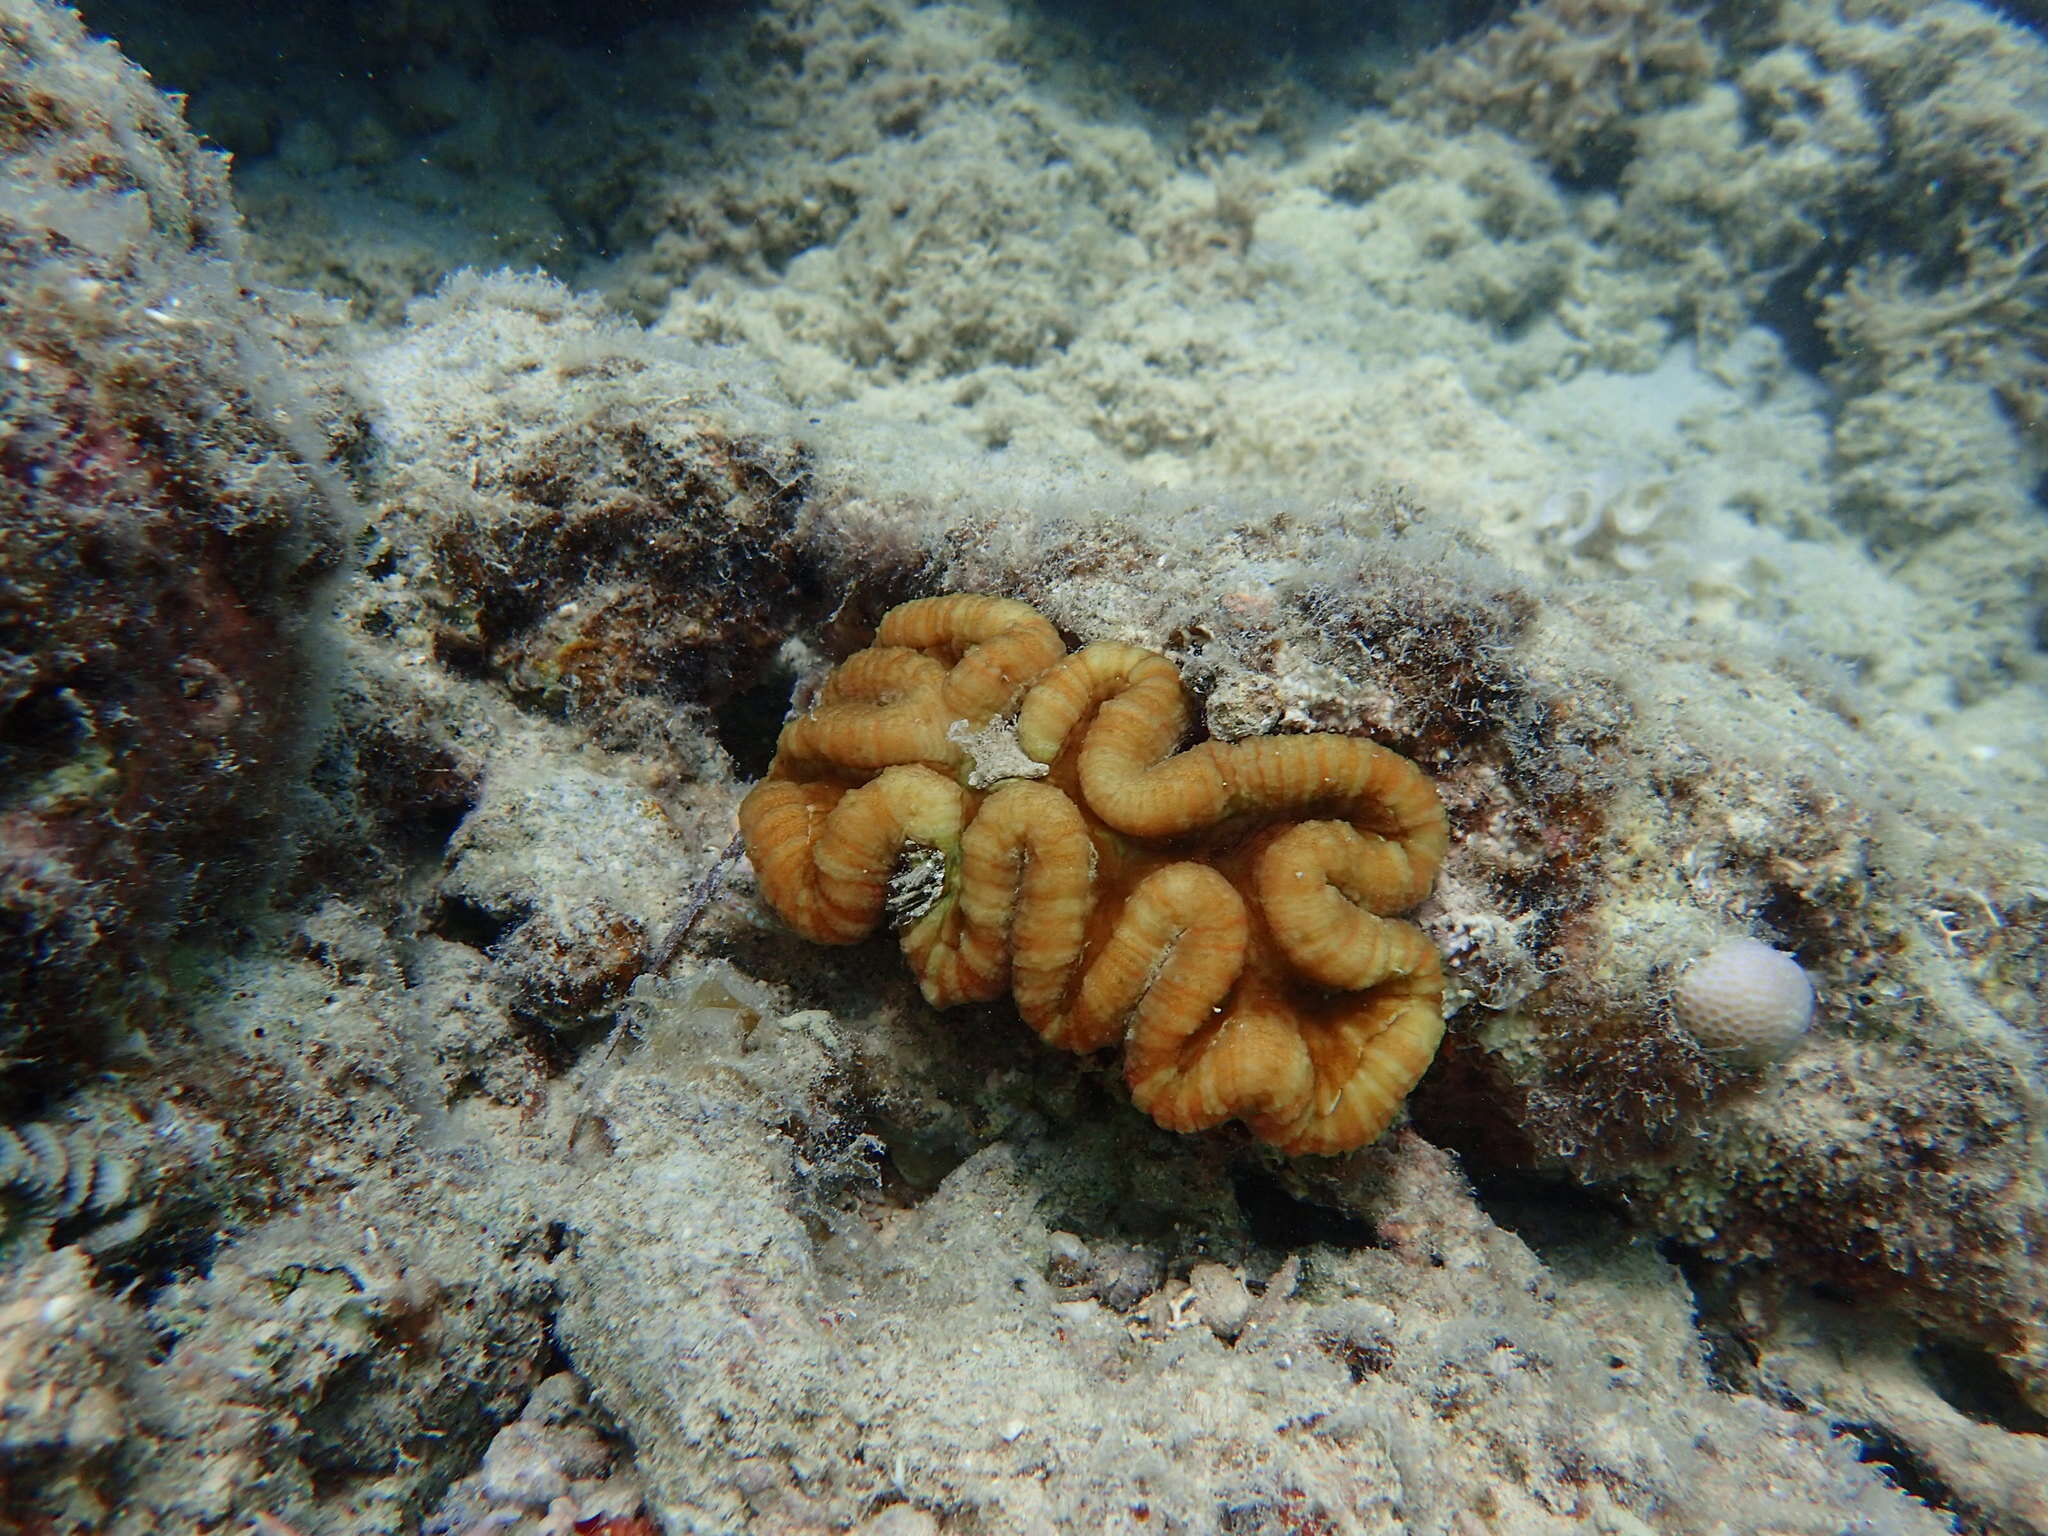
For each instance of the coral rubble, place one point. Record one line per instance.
(416, 1116)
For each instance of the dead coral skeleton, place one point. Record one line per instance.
(1564, 73)
(41, 1162)
(54, 1171)
(1222, 912)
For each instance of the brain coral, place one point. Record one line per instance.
(1747, 999)
(1222, 912)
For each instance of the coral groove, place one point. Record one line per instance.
(1224, 912)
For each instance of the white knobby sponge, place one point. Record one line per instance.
(1747, 999)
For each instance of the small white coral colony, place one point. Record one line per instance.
(1746, 998)
(1614, 516)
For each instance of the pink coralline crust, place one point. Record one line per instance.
(147, 665)
(160, 520)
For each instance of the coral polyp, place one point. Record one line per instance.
(1746, 999)
(1222, 914)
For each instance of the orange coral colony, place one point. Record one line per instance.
(1222, 913)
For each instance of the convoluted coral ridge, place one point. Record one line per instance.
(317, 1243)
(1217, 912)
(1616, 826)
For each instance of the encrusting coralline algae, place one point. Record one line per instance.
(379, 693)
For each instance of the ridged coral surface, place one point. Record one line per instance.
(1745, 998)
(1631, 417)
(1219, 912)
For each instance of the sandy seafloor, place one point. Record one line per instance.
(1638, 416)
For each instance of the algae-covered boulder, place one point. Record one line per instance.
(164, 506)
